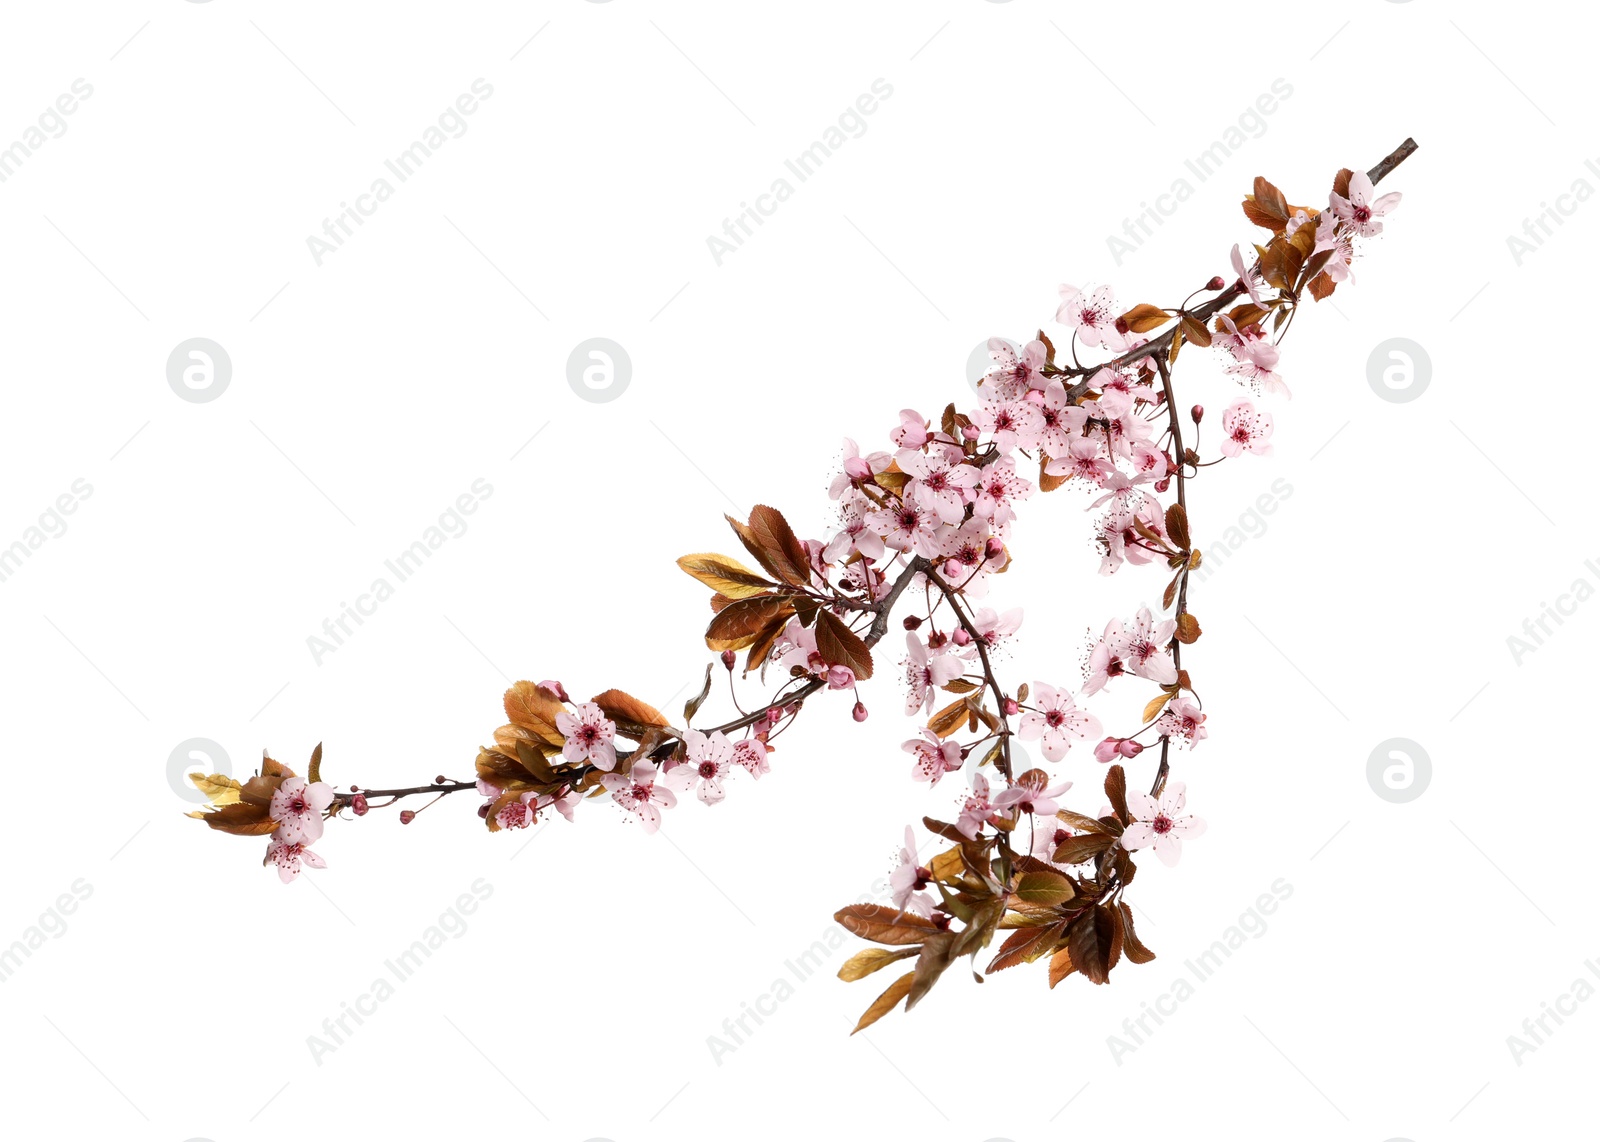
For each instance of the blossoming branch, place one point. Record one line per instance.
(924, 531)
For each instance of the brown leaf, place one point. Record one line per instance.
(1155, 706)
(314, 770)
(742, 621)
(1143, 318)
(498, 768)
(1047, 482)
(509, 739)
(1178, 525)
(1195, 330)
(1085, 822)
(1091, 937)
(885, 1003)
(632, 716)
(1136, 950)
(1242, 315)
(764, 641)
(1044, 887)
(840, 645)
(937, 954)
(1188, 628)
(1270, 200)
(1117, 792)
(884, 924)
(787, 554)
(1024, 946)
(1341, 182)
(241, 819)
(1322, 286)
(1084, 847)
(725, 575)
(692, 706)
(1061, 966)
(535, 708)
(869, 960)
(950, 719)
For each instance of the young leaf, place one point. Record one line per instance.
(1143, 318)
(725, 575)
(314, 770)
(1046, 888)
(1188, 628)
(1061, 966)
(632, 716)
(1195, 330)
(869, 960)
(692, 706)
(1117, 792)
(1136, 950)
(1091, 938)
(883, 924)
(535, 709)
(950, 719)
(789, 560)
(1085, 847)
(742, 621)
(885, 1003)
(1025, 945)
(1178, 525)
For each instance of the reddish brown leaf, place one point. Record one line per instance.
(1117, 792)
(787, 555)
(840, 645)
(1091, 937)
(885, 1003)
(1143, 318)
(1136, 950)
(884, 924)
(742, 621)
(631, 715)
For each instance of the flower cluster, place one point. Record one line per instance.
(924, 529)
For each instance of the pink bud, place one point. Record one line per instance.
(911, 622)
(1197, 412)
(961, 637)
(970, 432)
(1107, 749)
(358, 805)
(840, 678)
(1012, 708)
(1129, 748)
(857, 468)
(556, 688)
(953, 569)
(729, 658)
(994, 547)
(407, 816)
(1162, 485)
(483, 810)
(1215, 283)
(1122, 325)
(859, 713)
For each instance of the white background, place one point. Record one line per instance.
(369, 392)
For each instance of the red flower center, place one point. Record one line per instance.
(1162, 824)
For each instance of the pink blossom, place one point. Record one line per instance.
(1142, 647)
(709, 758)
(998, 488)
(802, 652)
(639, 793)
(1092, 315)
(517, 814)
(1158, 823)
(1082, 462)
(856, 536)
(912, 431)
(588, 733)
(856, 469)
(751, 754)
(1360, 210)
(1061, 421)
(932, 758)
(1008, 422)
(288, 856)
(905, 526)
(1183, 722)
(975, 810)
(908, 879)
(1331, 237)
(1048, 836)
(1012, 374)
(1037, 801)
(939, 480)
(1247, 277)
(1245, 430)
(967, 559)
(993, 628)
(926, 671)
(297, 806)
(1056, 720)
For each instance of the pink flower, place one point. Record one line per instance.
(1142, 647)
(1105, 660)
(563, 804)
(1183, 722)
(1331, 237)
(1057, 720)
(998, 488)
(517, 814)
(1048, 835)
(1036, 800)
(802, 652)
(975, 810)
(856, 536)
(856, 469)
(1360, 210)
(1082, 461)
(1093, 316)
(751, 754)
(709, 758)
(289, 855)
(993, 628)
(908, 880)
(1061, 420)
(912, 431)
(939, 480)
(1008, 421)
(1245, 430)
(639, 794)
(905, 526)
(1158, 823)
(932, 758)
(967, 559)
(588, 733)
(297, 807)
(926, 671)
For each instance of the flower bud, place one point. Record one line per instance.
(840, 678)
(1122, 326)
(936, 639)
(857, 468)
(1012, 708)
(1162, 485)
(483, 810)
(440, 779)
(994, 547)
(407, 816)
(953, 569)
(556, 688)
(1129, 748)
(1197, 413)
(729, 658)
(358, 805)
(1107, 750)
(911, 622)
(961, 637)
(1215, 283)
(970, 432)
(859, 713)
